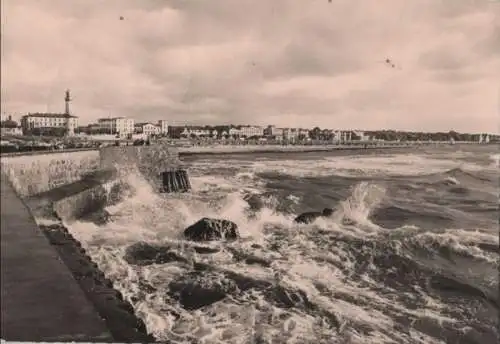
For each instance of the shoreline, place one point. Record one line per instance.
(118, 313)
(234, 149)
(244, 149)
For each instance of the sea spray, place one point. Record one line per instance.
(376, 282)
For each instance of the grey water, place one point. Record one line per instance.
(410, 254)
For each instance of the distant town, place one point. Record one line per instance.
(65, 125)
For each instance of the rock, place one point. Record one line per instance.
(145, 254)
(205, 249)
(195, 290)
(311, 216)
(308, 217)
(327, 212)
(288, 298)
(208, 229)
(250, 260)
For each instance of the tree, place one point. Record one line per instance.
(315, 133)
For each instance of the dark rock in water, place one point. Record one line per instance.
(250, 260)
(205, 249)
(290, 298)
(194, 290)
(208, 229)
(311, 216)
(145, 254)
(308, 217)
(327, 212)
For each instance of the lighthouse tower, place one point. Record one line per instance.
(67, 99)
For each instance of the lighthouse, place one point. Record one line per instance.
(67, 99)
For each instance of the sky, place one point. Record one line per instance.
(291, 63)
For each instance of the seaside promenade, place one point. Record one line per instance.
(41, 300)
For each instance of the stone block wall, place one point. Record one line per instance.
(33, 174)
(149, 161)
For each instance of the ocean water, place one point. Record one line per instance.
(409, 256)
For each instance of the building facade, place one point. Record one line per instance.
(234, 132)
(115, 126)
(147, 129)
(163, 124)
(10, 127)
(46, 121)
(273, 132)
(53, 123)
(187, 132)
(251, 131)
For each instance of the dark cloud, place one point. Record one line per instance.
(286, 62)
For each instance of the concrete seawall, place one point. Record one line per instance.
(33, 174)
(54, 290)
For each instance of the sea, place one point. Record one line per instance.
(410, 254)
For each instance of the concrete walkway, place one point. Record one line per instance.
(41, 301)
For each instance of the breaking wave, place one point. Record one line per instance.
(401, 260)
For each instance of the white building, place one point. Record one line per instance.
(250, 131)
(116, 126)
(234, 132)
(272, 131)
(44, 121)
(163, 124)
(17, 131)
(187, 132)
(10, 127)
(147, 129)
(342, 135)
(290, 134)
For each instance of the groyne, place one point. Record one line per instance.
(40, 261)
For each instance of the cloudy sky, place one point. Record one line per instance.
(284, 62)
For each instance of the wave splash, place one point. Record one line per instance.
(335, 280)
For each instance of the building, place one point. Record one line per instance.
(290, 134)
(251, 131)
(273, 132)
(234, 132)
(163, 126)
(196, 131)
(115, 126)
(303, 133)
(51, 123)
(10, 127)
(147, 129)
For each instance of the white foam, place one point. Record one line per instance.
(151, 217)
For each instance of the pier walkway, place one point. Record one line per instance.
(41, 301)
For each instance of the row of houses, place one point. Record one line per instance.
(271, 131)
(125, 127)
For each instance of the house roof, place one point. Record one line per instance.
(49, 115)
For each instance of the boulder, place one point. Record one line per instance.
(208, 229)
(311, 216)
(196, 290)
(143, 254)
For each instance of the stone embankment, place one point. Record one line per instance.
(62, 187)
